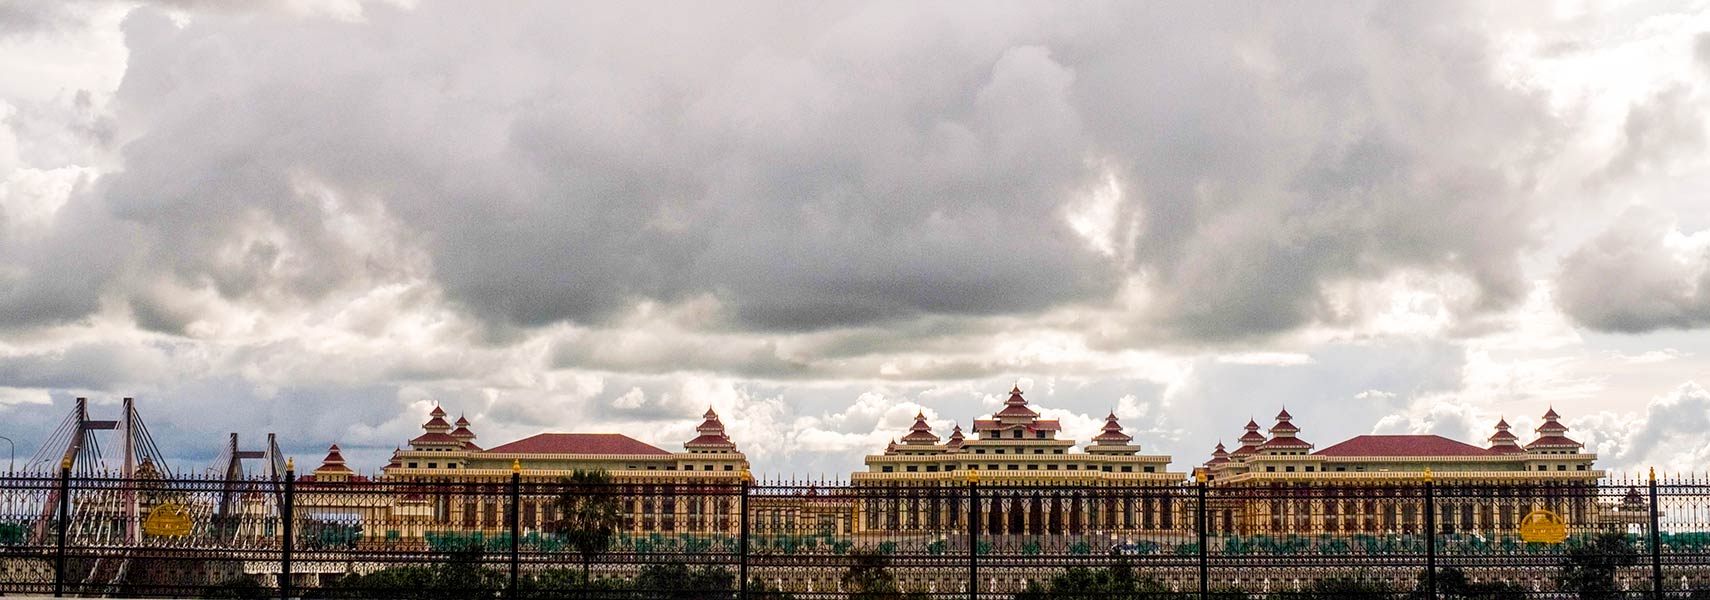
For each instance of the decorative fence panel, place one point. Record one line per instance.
(188, 537)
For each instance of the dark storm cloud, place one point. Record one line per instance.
(1629, 280)
(815, 167)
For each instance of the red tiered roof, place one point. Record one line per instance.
(711, 433)
(1218, 456)
(436, 421)
(1551, 433)
(1283, 425)
(1040, 425)
(921, 432)
(1402, 445)
(1112, 434)
(1015, 406)
(434, 437)
(334, 462)
(577, 443)
(956, 439)
(463, 433)
(1504, 441)
(1282, 434)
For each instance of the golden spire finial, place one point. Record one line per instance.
(1199, 475)
(516, 466)
(1653, 473)
(65, 464)
(1427, 474)
(290, 464)
(973, 475)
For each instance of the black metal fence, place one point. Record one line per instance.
(527, 539)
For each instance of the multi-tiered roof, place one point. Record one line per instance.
(1552, 439)
(1552, 436)
(1504, 441)
(1111, 440)
(712, 437)
(1251, 440)
(920, 434)
(1283, 440)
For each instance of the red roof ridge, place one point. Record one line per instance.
(1403, 444)
(577, 443)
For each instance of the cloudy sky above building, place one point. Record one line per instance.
(320, 217)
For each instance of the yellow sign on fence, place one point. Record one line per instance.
(168, 519)
(1543, 527)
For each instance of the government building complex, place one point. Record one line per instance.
(1032, 482)
(1012, 482)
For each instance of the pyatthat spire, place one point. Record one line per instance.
(1218, 456)
(712, 437)
(464, 434)
(1504, 440)
(436, 421)
(1251, 440)
(1283, 438)
(1112, 440)
(956, 439)
(1112, 433)
(920, 434)
(1552, 436)
(332, 467)
(1015, 409)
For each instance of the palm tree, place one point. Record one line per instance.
(589, 503)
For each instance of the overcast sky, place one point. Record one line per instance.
(320, 217)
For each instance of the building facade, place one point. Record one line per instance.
(1370, 483)
(1029, 482)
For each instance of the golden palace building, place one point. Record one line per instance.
(1370, 483)
(688, 492)
(1012, 449)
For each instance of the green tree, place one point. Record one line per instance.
(589, 503)
(1589, 569)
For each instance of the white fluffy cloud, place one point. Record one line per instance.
(822, 220)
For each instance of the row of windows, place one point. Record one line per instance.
(1019, 451)
(435, 465)
(1359, 469)
(1030, 467)
(997, 435)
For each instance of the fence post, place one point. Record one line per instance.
(742, 537)
(973, 535)
(511, 516)
(64, 511)
(1656, 542)
(1430, 537)
(287, 515)
(1204, 529)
